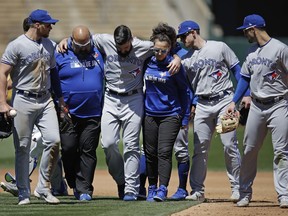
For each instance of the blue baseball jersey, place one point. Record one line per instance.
(82, 82)
(166, 95)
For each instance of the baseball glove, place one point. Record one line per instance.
(5, 126)
(228, 123)
(243, 115)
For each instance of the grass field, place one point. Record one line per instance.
(215, 162)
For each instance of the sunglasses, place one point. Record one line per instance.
(158, 50)
(78, 45)
(183, 36)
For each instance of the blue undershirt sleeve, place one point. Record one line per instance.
(236, 71)
(242, 86)
(55, 82)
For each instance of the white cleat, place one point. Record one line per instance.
(196, 196)
(48, 197)
(235, 196)
(10, 188)
(283, 203)
(25, 201)
(243, 202)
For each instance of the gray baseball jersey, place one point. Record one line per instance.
(123, 74)
(267, 66)
(210, 67)
(32, 70)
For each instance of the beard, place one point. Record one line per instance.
(125, 54)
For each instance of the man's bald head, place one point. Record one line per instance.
(81, 40)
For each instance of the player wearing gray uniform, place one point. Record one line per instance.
(265, 68)
(208, 71)
(30, 60)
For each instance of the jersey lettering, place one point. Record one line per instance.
(116, 58)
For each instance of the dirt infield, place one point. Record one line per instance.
(217, 193)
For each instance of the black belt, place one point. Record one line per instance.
(269, 101)
(135, 91)
(31, 94)
(213, 97)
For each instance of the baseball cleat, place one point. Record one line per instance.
(10, 188)
(130, 197)
(180, 194)
(48, 197)
(151, 193)
(25, 201)
(161, 194)
(235, 196)
(9, 178)
(85, 197)
(243, 202)
(283, 202)
(196, 196)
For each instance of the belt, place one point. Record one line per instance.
(31, 94)
(269, 101)
(135, 91)
(213, 97)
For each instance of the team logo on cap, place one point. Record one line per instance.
(216, 74)
(271, 76)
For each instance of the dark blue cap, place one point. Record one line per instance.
(41, 16)
(253, 20)
(187, 26)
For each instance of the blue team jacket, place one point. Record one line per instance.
(82, 82)
(166, 95)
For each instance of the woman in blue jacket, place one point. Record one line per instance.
(167, 108)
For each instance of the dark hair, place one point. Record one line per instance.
(122, 34)
(164, 32)
(26, 25)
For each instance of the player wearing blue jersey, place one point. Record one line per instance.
(266, 70)
(208, 70)
(81, 72)
(167, 108)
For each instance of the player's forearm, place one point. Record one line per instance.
(242, 87)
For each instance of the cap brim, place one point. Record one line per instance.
(242, 27)
(51, 21)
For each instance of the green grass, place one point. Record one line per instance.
(215, 160)
(98, 206)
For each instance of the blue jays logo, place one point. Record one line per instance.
(135, 72)
(271, 76)
(216, 74)
(96, 55)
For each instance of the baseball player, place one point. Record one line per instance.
(124, 56)
(81, 72)
(167, 108)
(265, 69)
(30, 61)
(58, 184)
(208, 70)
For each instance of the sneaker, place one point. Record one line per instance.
(235, 196)
(161, 194)
(10, 188)
(283, 202)
(130, 197)
(48, 197)
(121, 189)
(85, 197)
(196, 196)
(244, 202)
(151, 193)
(142, 193)
(25, 201)
(180, 194)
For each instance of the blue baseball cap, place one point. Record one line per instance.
(187, 26)
(41, 16)
(252, 20)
